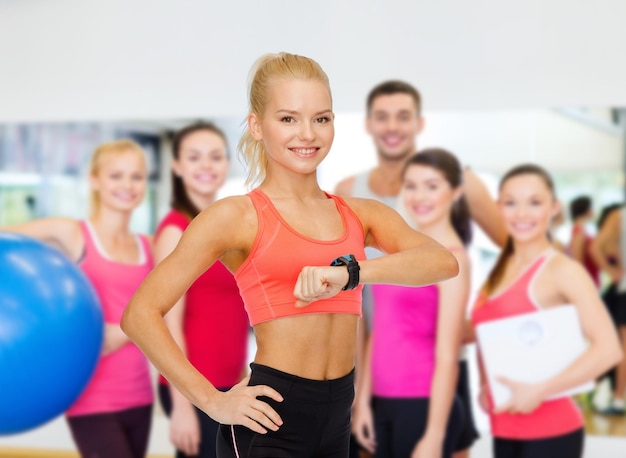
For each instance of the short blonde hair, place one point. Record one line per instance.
(101, 154)
(267, 68)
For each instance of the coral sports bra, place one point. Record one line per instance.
(268, 276)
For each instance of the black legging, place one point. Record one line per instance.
(401, 422)
(121, 434)
(315, 414)
(566, 446)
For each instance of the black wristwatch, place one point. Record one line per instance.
(352, 264)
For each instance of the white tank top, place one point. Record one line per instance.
(362, 189)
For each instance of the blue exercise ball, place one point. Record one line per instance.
(51, 331)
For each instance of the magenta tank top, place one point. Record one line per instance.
(403, 349)
(121, 379)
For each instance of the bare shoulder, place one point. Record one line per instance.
(365, 208)
(383, 226)
(565, 270)
(228, 208)
(344, 187)
(231, 219)
(69, 236)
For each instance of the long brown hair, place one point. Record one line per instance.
(495, 276)
(180, 199)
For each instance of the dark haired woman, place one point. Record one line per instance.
(413, 355)
(209, 322)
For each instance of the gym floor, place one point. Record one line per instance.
(605, 425)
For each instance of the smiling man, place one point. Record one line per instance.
(393, 120)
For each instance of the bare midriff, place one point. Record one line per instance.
(318, 347)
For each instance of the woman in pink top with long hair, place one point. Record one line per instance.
(413, 354)
(209, 322)
(530, 276)
(113, 415)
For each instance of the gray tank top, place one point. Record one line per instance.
(361, 189)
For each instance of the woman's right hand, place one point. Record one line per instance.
(363, 426)
(185, 429)
(240, 406)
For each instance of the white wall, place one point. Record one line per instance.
(147, 59)
(487, 141)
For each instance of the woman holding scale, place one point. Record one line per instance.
(536, 418)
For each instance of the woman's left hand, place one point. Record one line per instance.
(319, 282)
(427, 448)
(525, 397)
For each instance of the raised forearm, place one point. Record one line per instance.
(430, 263)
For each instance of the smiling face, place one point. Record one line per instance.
(527, 205)
(394, 122)
(427, 195)
(120, 180)
(297, 126)
(202, 163)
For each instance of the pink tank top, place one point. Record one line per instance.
(403, 349)
(551, 418)
(121, 379)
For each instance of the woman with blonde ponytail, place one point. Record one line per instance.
(297, 254)
(113, 415)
